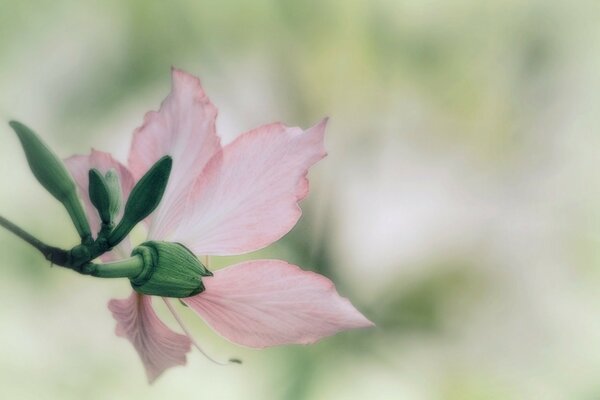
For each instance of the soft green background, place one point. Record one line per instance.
(459, 207)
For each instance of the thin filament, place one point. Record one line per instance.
(187, 332)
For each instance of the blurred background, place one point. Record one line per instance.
(459, 207)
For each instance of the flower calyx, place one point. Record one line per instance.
(169, 270)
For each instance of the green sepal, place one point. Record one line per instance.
(144, 199)
(170, 270)
(50, 171)
(100, 195)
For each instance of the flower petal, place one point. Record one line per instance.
(183, 128)
(247, 196)
(268, 302)
(158, 346)
(79, 166)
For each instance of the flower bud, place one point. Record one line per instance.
(105, 194)
(50, 171)
(100, 195)
(169, 270)
(114, 189)
(144, 198)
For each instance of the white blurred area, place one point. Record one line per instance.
(461, 189)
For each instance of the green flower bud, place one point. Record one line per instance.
(169, 270)
(53, 175)
(100, 195)
(114, 189)
(144, 198)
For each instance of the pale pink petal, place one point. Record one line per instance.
(79, 167)
(247, 197)
(268, 302)
(183, 128)
(158, 346)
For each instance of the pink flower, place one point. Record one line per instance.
(223, 200)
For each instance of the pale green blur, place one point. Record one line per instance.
(459, 206)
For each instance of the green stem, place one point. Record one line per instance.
(120, 232)
(75, 210)
(54, 254)
(77, 259)
(128, 268)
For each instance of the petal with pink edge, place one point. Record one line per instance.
(247, 197)
(183, 128)
(79, 167)
(268, 302)
(158, 346)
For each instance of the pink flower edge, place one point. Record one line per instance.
(264, 303)
(157, 345)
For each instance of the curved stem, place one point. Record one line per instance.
(128, 268)
(54, 254)
(38, 244)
